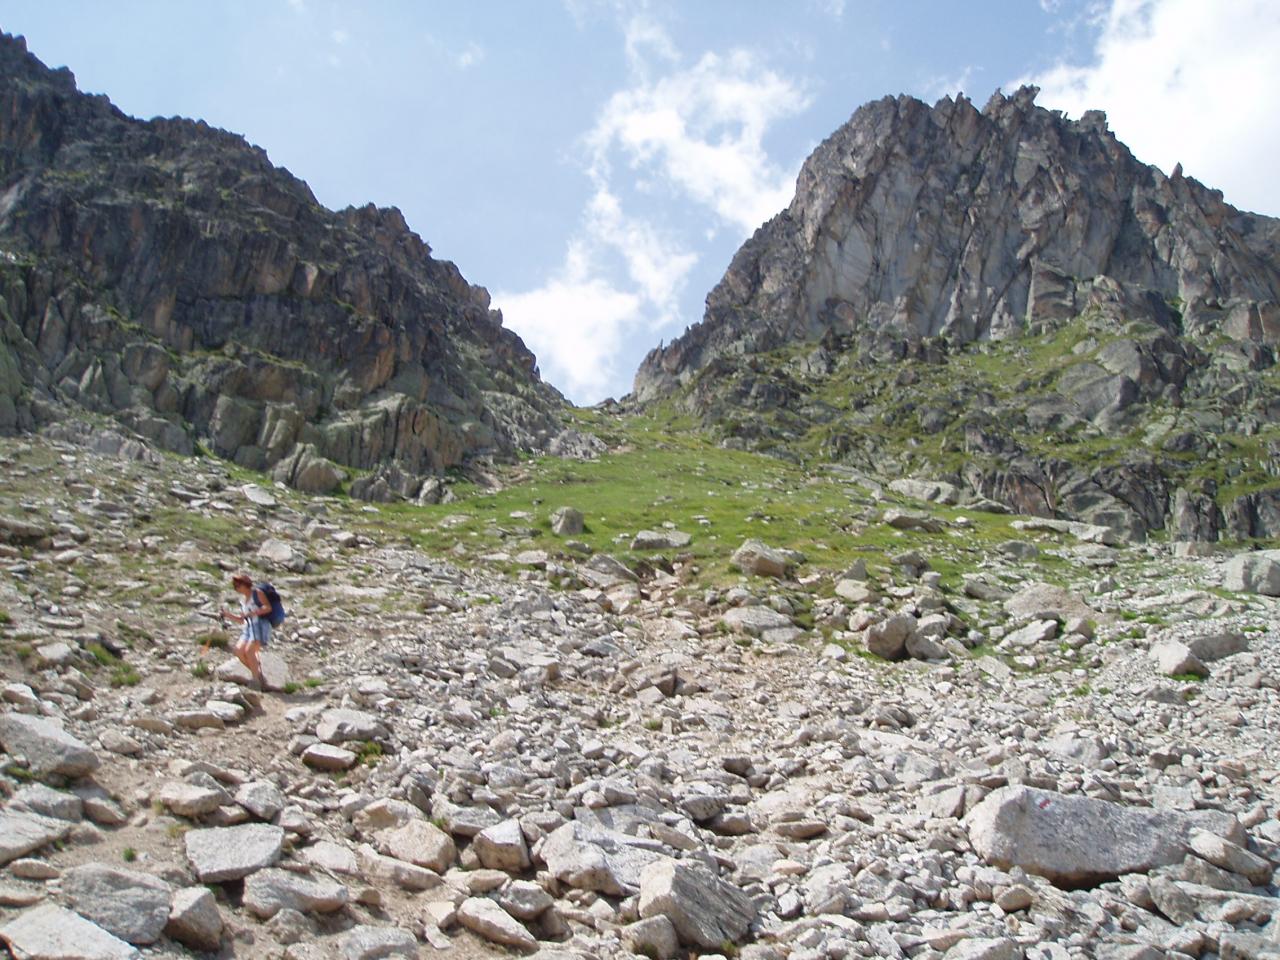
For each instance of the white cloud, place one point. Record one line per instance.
(702, 130)
(469, 56)
(573, 324)
(941, 86)
(339, 36)
(1186, 82)
(298, 6)
(686, 136)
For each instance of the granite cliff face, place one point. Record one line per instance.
(166, 275)
(1064, 294)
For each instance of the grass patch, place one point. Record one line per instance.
(370, 753)
(201, 670)
(124, 675)
(312, 682)
(5, 619)
(128, 855)
(101, 654)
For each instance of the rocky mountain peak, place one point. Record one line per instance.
(979, 225)
(166, 274)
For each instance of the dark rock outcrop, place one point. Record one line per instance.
(1007, 285)
(166, 275)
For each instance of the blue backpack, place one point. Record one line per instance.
(278, 613)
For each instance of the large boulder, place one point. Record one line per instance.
(45, 746)
(420, 842)
(601, 860)
(220, 854)
(1175, 659)
(22, 832)
(660, 540)
(1253, 573)
(194, 919)
(1077, 841)
(757, 559)
(485, 918)
(342, 725)
(267, 892)
(50, 932)
(888, 638)
(705, 910)
(502, 847)
(567, 522)
(755, 620)
(131, 905)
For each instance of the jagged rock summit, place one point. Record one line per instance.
(917, 233)
(166, 275)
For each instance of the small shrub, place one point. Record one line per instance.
(24, 651)
(100, 653)
(312, 682)
(292, 687)
(200, 670)
(214, 638)
(370, 753)
(5, 618)
(653, 723)
(125, 675)
(1187, 677)
(128, 854)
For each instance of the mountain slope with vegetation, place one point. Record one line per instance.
(1009, 301)
(166, 275)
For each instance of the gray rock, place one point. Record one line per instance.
(1175, 659)
(130, 905)
(1077, 841)
(1044, 601)
(220, 854)
(377, 943)
(38, 798)
(933, 491)
(754, 620)
(524, 899)
(326, 756)
(985, 950)
(422, 843)
(1216, 644)
(704, 909)
(888, 638)
(755, 558)
(194, 919)
(261, 798)
(266, 892)
(567, 522)
(342, 726)
(660, 540)
(1231, 856)
(502, 847)
(45, 746)
(50, 932)
(21, 833)
(653, 937)
(600, 860)
(190, 799)
(485, 918)
(1253, 573)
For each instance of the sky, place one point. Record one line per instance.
(596, 163)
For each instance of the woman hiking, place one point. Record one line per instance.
(255, 613)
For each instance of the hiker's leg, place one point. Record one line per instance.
(252, 660)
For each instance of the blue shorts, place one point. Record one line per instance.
(257, 629)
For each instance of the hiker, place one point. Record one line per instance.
(260, 609)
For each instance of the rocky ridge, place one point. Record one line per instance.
(552, 752)
(1007, 300)
(165, 275)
